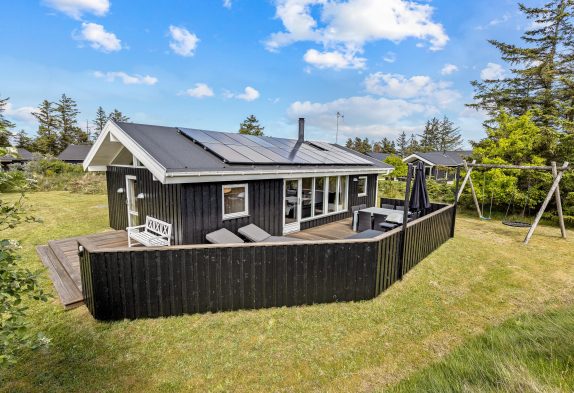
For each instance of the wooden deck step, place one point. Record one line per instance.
(69, 293)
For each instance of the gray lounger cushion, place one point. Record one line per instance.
(280, 239)
(253, 233)
(223, 236)
(369, 233)
(257, 235)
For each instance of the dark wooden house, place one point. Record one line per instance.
(200, 181)
(75, 154)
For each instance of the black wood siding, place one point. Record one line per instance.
(161, 201)
(195, 209)
(204, 211)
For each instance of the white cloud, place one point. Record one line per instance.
(22, 114)
(183, 41)
(448, 69)
(390, 57)
(249, 94)
(99, 38)
(494, 22)
(418, 88)
(492, 71)
(364, 116)
(334, 59)
(199, 91)
(76, 8)
(227, 4)
(349, 25)
(127, 79)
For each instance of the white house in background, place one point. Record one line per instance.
(439, 165)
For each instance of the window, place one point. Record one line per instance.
(307, 197)
(319, 196)
(362, 186)
(235, 201)
(342, 194)
(332, 194)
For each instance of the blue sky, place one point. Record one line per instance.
(387, 65)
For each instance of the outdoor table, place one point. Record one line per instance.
(376, 210)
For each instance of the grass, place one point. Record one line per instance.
(483, 306)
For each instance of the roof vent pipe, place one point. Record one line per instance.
(301, 129)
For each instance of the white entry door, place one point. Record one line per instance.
(291, 205)
(131, 201)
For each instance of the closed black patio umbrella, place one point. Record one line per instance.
(419, 194)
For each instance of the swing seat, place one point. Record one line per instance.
(485, 218)
(517, 224)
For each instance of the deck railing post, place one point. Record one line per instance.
(456, 191)
(402, 240)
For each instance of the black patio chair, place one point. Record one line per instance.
(365, 221)
(378, 219)
(387, 206)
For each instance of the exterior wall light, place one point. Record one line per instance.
(140, 196)
(120, 190)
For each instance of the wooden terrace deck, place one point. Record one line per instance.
(63, 263)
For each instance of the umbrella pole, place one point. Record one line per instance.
(405, 221)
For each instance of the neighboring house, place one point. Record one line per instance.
(439, 165)
(200, 181)
(378, 156)
(75, 154)
(15, 155)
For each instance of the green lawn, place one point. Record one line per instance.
(483, 312)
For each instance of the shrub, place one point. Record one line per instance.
(89, 183)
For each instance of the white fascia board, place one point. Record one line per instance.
(238, 176)
(414, 157)
(117, 134)
(96, 146)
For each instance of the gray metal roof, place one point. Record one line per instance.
(378, 156)
(445, 158)
(178, 153)
(16, 154)
(75, 153)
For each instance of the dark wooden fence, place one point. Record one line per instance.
(141, 283)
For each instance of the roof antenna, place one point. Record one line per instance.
(339, 115)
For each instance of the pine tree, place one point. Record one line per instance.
(542, 72)
(47, 141)
(430, 135)
(69, 133)
(99, 122)
(448, 137)
(5, 125)
(23, 141)
(384, 146)
(413, 145)
(250, 126)
(118, 116)
(402, 144)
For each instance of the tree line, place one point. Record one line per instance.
(437, 135)
(58, 126)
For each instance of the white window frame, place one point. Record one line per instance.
(245, 212)
(363, 194)
(326, 212)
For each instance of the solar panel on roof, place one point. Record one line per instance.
(249, 149)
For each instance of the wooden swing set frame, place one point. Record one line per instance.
(557, 173)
